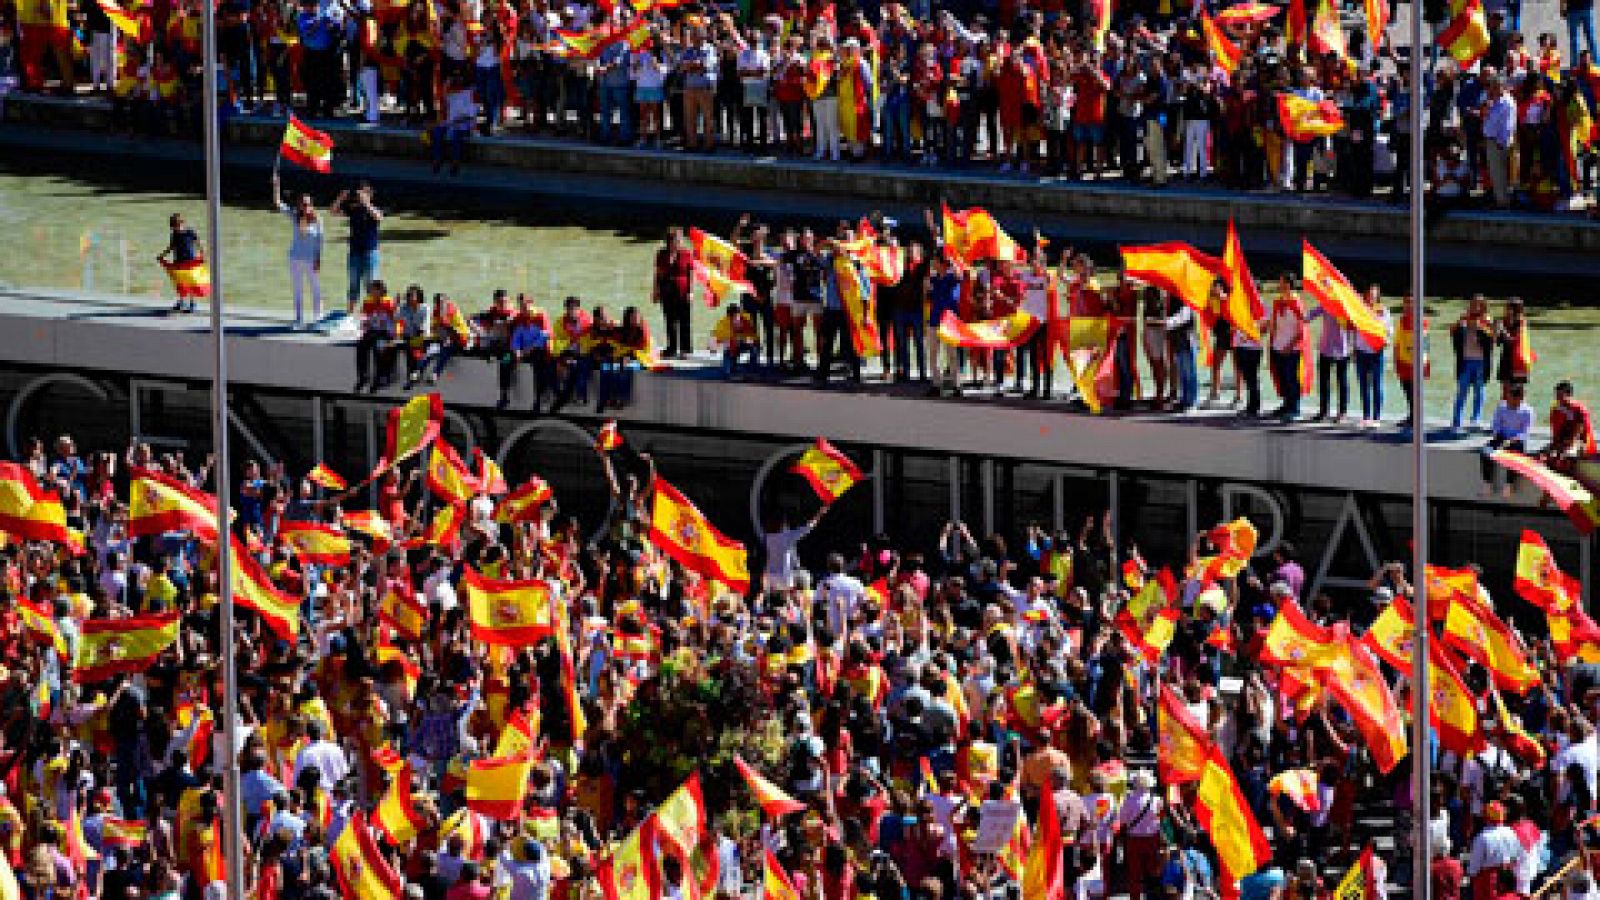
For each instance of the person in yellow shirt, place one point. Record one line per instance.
(736, 334)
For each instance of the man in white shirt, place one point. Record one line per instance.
(323, 755)
(1494, 850)
(755, 66)
(1499, 129)
(527, 878)
(839, 595)
(778, 574)
(1583, 749)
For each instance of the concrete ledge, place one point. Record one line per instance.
(1319, 215)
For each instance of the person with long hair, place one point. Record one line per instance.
(305, 251)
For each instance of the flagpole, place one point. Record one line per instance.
(227, 757)
(1421, 694)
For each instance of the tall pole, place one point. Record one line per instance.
(226, 757)
(1421, 743)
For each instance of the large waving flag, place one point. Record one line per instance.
(1391, 636)
(1042, 875)
(1242, 306)
(1226, 817)
(1182, 745)
(397, 815)
(1305, 120)
(326, 478)
(252, 589)
(190, 280)
(125, 22)
(1339, 297)
(315, 543)
(306, 146)
(829, 472)
(973, 235)
(1474, 631)
(27, 510)
(159, 504)
(773, 801)
(41, 623)
(775, 882)
(1568, 494)
(109, 647)
(1299, 785)
(1152, 637)
(1355, 681)
(681, 532)
(409, 430)
(1177, 268)
(400, 609)
(524, 503)
(1226, 52)
(363, 872)
(718, 254)
(1452, 707)
(988, 334)
(447, 477)
(1294, 640)
(1466, 36)
(497, 786)
(624, 873)
(508, 613)
(681, 830)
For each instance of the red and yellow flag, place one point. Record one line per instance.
(681, 831)
(1042, 875)
(1452, 708)
(1391, 636)
(409, 430)
(401, 610)
(371, 523)
(326, 478)
(1568, 494)
(190, 279)
(1466, 36)
(1339, 297)
(973, 235)
(524, 503)
(121, 833)
(363, 872)
(507, 613)
(109, 647)
(1538, 579)
(1573, 633)
(624, 873)
(1152, 638)
(773, 801)
(497, 786)
(829, 472)
(988, 334)
(1182, 745)
(41, 622)
(27, 510)
(397, 815)
(775, 882)
(487, 473)
(578, 722)
(1305, 120)
(1177, 268)
(315, 543)
(306, 146)
(517, 738)
(159, 504)
(121, 19)
(1242, 307)
(1352, 678)
(447, 477)
(1224, 51)
(1377, 14)
(1225, 815)
(1474, 631)
(1294, 640)
(1299, 785)
(1326, 35)
(252, 589)
(608, 438)
(681, 532)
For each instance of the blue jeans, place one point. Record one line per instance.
(1340, 370)
(897, 127)
(748, 351)
(616, 384)
(615, 103)
(907, 335)
(437, 356)
(1369, 383)
(1188, 376)
(491, 90)
(1470, 377)
(1581, 20)
(363, 270)
(451, 137)
(1286, 370)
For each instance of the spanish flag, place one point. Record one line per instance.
(508, 613)
(1294, 640)
(1226, 53)
(829, 472)
(42, 623)
(524, 503)
(1538, 580)
(773, 801)
(988, 334)
(517, 738)
(109, 647)
(326, 478)
(159, 504)
(775, 882)
(1242, 307)
(681, 830)
(447, 476)
(252, 589)
(1522, 744)
(1377, 14)
(1574, 634)
(400, 610)
(585, 44)
(1452, 708)
(1445, 585)
(1225, 815)
(1181, 744)
(1042, 876)
(410, 429)
(1235, 540)
(624, 873)
(1177, 268)
(1360, 880)
(190, 279)
(1326, 36)
(363, 872)
(1152, 639)
(487, 473)
(306, 147)
(681, 532)
(1473, 630)
(720, 256)
(315, 543)
(1568, 494)
(389, 759)
(1155, 594)
(860, 305)
(973, 235)
(1466, 36)
(578, 722)
(444, 529)
(1304, 120)
(1339, 297)
(397, 815)
(121, 833)
(496, 786)
(370, 523)
(27, 510)
(1299, 785)
(1352, 677)
(467, 824)
(121, 19)
(608, 438)
(1391, 637)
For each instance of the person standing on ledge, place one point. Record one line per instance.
(305, 251)
(363, 257)
(182, 246)
(673, 284)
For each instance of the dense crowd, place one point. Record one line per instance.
(884, 698)
(1139, 91)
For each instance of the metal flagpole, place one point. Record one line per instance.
(233, 820)
(1421, 743)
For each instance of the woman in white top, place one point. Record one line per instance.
(305, 251)
(649, 71)
(456, 119)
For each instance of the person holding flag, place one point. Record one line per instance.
(1287, 334)
(185, 264)
(305, 251)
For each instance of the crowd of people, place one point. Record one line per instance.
(887, 697)
(1139, 91)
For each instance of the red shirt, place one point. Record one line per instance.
(1090, 89)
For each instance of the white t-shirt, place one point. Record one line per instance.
(1035, 294)
(840, 595)
(1586, 753)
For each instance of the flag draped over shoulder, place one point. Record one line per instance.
(1225, 815)
(507, 613)
(681, 532)
(109, 647)
(1339, 297)
(306, 146)
(1042, 875)
(158, 504)
(363, 872)
(771, 798)
(988, 334)
(27, 510)
(1177, 268)
(409, 430)
(829, 472)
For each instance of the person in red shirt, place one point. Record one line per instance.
(1571, 429)
(673, 283)
(1089, 87)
